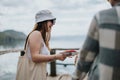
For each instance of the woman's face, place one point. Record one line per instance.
(50, 23)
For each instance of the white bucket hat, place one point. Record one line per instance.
(44, 15)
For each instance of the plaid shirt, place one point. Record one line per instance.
(103, 40)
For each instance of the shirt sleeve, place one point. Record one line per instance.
(88, 52)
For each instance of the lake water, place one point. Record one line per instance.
(8, 62)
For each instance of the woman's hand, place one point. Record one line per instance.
(60, 56)
(69, 53)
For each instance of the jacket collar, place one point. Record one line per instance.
(117, 4)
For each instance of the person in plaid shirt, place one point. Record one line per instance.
(100, 54)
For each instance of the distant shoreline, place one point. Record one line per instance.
(11, 36)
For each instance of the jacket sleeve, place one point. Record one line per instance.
(88, 52)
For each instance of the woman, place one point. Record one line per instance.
(37, 46)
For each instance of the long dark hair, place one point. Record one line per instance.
(42, 27)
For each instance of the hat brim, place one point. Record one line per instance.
(45, 19)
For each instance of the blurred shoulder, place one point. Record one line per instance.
(105, 12)
(35, 34)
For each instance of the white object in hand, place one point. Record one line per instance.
(71, 53)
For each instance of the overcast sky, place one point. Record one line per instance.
(73, 16)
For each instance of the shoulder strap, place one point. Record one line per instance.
(25, 49)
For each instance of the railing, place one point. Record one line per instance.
(52, 64)
(9, 51)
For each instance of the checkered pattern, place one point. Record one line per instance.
(103, 40)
